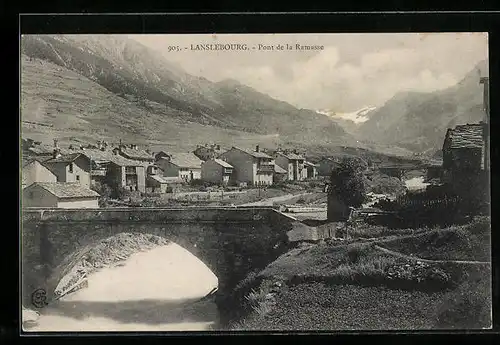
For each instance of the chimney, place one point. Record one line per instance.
(55, 144)
(218, 147)
(257, 148)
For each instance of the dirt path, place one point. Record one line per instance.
(271, 201)
(401, 255)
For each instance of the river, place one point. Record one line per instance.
(155, 290)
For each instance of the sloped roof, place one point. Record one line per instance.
(64, 158)
(158, 178)
(222, 163)
(136, 154)
(186, 160)
(291, 155)
(278, 169)
(108, 156)
(466, 136)
(65, 190)
(310, 164)
(254, 153)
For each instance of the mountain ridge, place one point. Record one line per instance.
(418, 121)
(132, 71)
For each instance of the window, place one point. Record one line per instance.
(78, 177)
(71, 167)
(31, 195)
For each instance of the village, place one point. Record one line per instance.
(281, 234)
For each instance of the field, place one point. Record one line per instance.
(356, 286)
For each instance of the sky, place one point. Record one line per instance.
(351, 72)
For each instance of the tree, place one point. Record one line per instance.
(347, 187)
(104, 192)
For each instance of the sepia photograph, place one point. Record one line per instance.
(255, 182)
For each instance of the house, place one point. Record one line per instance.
(73, 167)
(311, 170)
(217, 171)
(157, 183)
(207, 152)
(326, 165)
(134, 153)
(160, 184)
(125, 173)
(280, 174)
(60, 195)
(251, 167)
(184, 165)
(34, 171)
(464, 152)
(293, 163)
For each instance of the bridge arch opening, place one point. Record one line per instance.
(134, 280)
(136, 258)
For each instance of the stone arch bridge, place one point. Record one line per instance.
(230, 241)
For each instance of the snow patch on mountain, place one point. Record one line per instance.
(358, 116)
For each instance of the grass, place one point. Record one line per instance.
(314, 198)
(465, 242)
(357, 287)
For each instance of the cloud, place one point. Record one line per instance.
(353, 70)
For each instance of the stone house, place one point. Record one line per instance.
(34, 171)
(73, 167)
(254, 168)
(311, 170)
(293, 163)
(465, 152)
(182, 165)
(217, 171)
(132, 152)
(59, 195)
(126, 173)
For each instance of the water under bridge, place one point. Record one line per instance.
(231, 241)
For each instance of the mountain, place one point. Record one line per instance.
(418, 121)
(140, 76)
(349, 121)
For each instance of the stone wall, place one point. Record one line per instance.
(230, 241)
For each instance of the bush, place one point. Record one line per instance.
(104, 191)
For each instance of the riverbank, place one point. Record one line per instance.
(357, 286)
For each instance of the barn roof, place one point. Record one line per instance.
(65, 190)
(466, 136)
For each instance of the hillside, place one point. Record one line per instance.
(139, 76)
(60, 103)
(418, 121)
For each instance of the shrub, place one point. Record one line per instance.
(104, 193)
